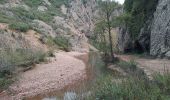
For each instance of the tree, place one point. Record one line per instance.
(100, 36)
(107, 9)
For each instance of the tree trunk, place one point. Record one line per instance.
(110, 38)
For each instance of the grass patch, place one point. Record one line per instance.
(132, 88)
(4, 83)
(58, 3)
(47, 16)
(20, 57)
(3, 1)
(136, 86)
(9, 60)
(62, 42)
(5, 19)
(163, 82)
(44, 16)
(33, 3)
(22, 14)
(20, 26)
(128, 66)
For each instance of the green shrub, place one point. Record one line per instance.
(9, 60)
(48, 41)
(140, 11)
(163, 82)
(58, 3)
(55, 3)
(20, 26)
(4, 83)
(22, 14)
(21, 57)
(3, 1)
(131, 66)
(33, 3)
(44, 16)
(62, 42)
(5, 19)
(132, 88)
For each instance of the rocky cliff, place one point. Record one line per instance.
(160, 31)
(72, 19)
(153, 36)
(80, 21)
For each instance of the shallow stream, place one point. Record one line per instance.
(81, 88)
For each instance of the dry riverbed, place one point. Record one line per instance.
(62, 70)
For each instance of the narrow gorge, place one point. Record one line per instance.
(84, 49)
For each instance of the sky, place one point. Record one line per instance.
(120, 1)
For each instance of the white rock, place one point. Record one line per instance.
(42, 8)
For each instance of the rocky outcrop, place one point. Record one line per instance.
(124, 40)
(82, 15)
(73, 20)
(78, 23)
(144, 36)
(160, 31)
(154, 36)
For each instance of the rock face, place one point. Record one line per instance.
(79, 22)
(74, 20)
(160, 31)
(144, 36)
(154, 37)
(124, 40)
(82, 14)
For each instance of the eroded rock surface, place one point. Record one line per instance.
(160, 32)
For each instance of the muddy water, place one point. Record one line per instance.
(80, 88)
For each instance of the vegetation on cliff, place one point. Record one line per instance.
(15, 51)
(103, 29)
(136, 13)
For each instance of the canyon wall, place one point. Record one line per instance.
(72, 19)
(154, 36)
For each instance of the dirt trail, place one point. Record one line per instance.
(150, 66)
(63, 70)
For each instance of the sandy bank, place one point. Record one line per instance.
(62, 71)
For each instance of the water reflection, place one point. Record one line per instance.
(81, 89)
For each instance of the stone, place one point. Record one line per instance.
(70, 96)
(46, 2)
(64, 9)
(42, 8)
(168, 54)
(160, 31)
